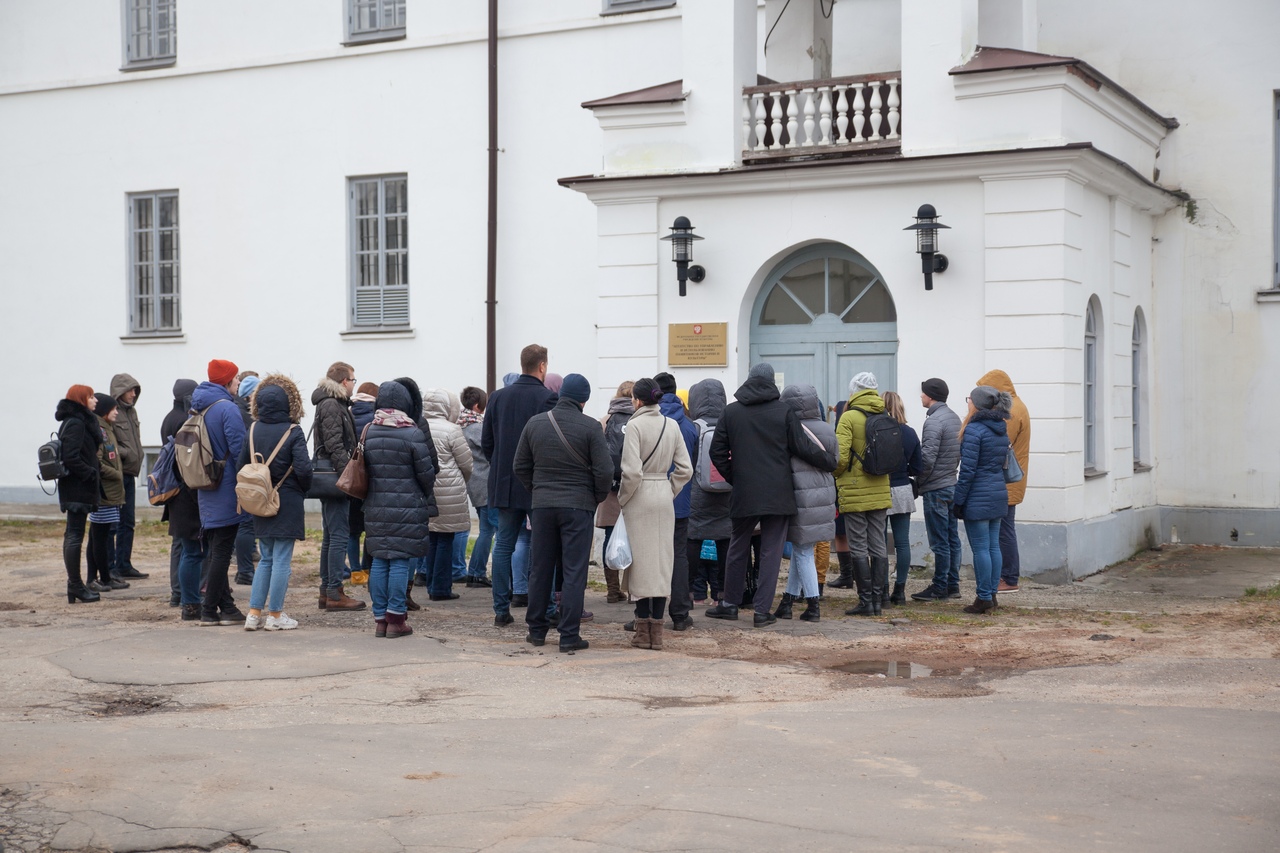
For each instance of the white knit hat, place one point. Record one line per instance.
(863, 380)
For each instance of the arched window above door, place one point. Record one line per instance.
(838, 284)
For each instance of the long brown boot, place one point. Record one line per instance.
(640, 639)
(339, 601)
(409, 603)
(615, 588)
(655, 634)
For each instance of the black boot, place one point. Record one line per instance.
(862, 577)
(899, 595)
(811, 613)
(845, 581)
(879, 583)
(820, 590)
(784, 608)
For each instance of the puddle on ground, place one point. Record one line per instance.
(886, 668)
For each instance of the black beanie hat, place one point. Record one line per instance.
(936, 389)
(666, 383)
(103, 405)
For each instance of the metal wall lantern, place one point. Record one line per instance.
(682, 238)
(926, 228)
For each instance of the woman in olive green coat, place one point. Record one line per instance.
(864, 499)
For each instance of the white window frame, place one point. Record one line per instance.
(146, 264)
(622, 7)
(1138, 369)
(392, 311)
(1275, 196)
(1092, 381)
(383, 30)
(161, 47)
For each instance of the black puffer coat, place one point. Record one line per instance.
(81, 489)
(398, 461)
(708, 511)
(762, 433)
(509, 410)
(278, 409)
(182, 511)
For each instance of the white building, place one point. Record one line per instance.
(179, 185)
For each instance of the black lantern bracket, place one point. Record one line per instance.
(926, 228)
(681, 239)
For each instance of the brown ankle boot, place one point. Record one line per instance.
(339, 601)
(409, 603)
(655, 634)
(640, 639)
(397, 627)
(615, 588)
(324, 600)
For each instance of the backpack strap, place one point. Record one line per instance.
(657, 444)
(809, 433)
(279, 444)
(574, 453)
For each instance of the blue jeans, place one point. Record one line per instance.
(804, 573)
(984, 539)
(521, 559)
(440, 568)
(510, 525)
(388, 580)
(484, 542)
(189, 570)
(271, 578)
(336, 519)
(460, 541)
(944, 536)
(900, 524)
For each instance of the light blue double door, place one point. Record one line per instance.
(823, 316)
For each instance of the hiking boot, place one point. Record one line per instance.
(784, 608)
(338, 600)
(930, 593)
(191, 613)
(811, 612)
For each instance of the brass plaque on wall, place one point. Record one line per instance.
(698, 344)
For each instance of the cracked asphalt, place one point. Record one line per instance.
(122, 730)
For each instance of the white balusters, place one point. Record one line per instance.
(842, 117)
(776, 115)
(824, 114)
(876, 104)
(858, 118)
(894, 101)
(758, 97)
(848, 111)
(793, 111)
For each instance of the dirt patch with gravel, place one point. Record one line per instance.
(1039, 627)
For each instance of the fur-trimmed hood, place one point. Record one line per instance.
(269, 405)
(325, 388)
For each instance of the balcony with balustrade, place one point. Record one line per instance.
(835, 117)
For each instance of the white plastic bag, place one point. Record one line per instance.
(618, 554)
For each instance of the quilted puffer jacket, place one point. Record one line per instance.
(858, 490)
(401, 476)
(980, 490)
(815, 518)
(939, 448)
(454, 455)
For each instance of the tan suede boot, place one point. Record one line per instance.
(655, 633)
(640, 639)
(615, 588)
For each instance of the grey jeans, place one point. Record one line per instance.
(336, 514)
(865, 532)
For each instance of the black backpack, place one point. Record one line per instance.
(883, 452)
(49, 457)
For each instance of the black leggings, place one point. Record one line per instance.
(72, 545)
(102, 552)
(651, 608)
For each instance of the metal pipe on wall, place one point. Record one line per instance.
(491, 293)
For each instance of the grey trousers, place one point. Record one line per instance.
(865, 532)
(773, 536)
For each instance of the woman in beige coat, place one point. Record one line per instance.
(454, 520)
(655, 467)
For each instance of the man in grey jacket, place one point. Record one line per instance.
(564, 462)
(939, 459)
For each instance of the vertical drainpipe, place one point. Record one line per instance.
(491, 293)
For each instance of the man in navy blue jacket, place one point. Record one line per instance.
(509, 410)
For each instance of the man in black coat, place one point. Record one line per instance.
(509, 410)
(755, 439)
(181, 511)
(564, 461)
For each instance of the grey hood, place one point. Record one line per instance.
(803, 400)
(707, 400)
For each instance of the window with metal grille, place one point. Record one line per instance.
(150, 33)
(1090, 387)
(155, 281)
(374, 20)
(379, 251)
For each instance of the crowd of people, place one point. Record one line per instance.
(709, 496)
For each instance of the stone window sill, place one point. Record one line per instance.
(1093, 473)
(178, 338)
(379, 333)
(1272, 295)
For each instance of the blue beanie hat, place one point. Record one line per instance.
(248, 384)
(576, 388)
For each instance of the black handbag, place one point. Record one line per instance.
(324, 478)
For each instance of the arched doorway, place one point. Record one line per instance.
(823, 315)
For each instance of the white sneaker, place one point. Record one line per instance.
(253, 623)
(281, 623)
